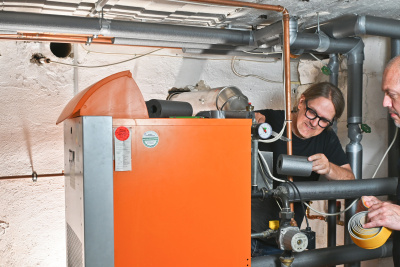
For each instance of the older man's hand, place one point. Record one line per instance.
(382, 214)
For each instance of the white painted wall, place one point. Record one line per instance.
(32, 227)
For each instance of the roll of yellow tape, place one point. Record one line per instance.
(368, 238)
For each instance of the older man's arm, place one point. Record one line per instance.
(321, 165)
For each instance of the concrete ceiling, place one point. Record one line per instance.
(207, 15)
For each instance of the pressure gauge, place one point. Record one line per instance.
(264, 130)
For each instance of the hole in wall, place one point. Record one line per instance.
(61, 50)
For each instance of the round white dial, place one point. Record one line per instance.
(264, 130)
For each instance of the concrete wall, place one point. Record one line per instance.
(32, 227)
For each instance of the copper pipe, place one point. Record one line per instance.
(286, 55)
(312, 217)
(68, 38)
(30, 176)
(242, 4)
(288, 92)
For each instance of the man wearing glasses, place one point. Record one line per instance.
(313, 115)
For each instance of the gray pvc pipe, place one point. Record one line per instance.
(355, 59)
(333, 65)
(321, 257)
(347, 189)
(125, 29)
(323, 44)
(354, 25)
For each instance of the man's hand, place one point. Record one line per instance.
(382, 214)
(321, 164)
(369, 201)
(260, 118)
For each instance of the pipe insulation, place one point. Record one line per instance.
(293, 165)
(333, 256)
(323, 44)
(166, 108)
(354, 25)
(20, 21)
(348, 189)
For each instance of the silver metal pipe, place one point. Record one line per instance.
(271, 33)
(17, 21)
(321, 257)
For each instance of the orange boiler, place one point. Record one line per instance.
(154, 192)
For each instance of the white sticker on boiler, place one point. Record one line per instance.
(122, 149)
(150, 139)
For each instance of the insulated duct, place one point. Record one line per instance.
(354, 25)
(355, 59)
(15, 21)
(346, 189)
(174, 44)
(333, 65)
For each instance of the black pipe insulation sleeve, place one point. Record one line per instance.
(167, 108)
(293, 165)
(349, 189)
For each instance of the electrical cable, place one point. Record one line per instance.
(249, 75)
(260, 53)
(264, 177)
(177, 56)
(268, 170)
(301, 200)
(107, 65)
(333, 214)
(269, 173)
(387, 150)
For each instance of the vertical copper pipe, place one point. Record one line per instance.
(286, 56)
(288, 92)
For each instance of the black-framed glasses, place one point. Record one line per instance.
(312, 115)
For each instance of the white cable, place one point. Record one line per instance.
(267, 167)
(387, 150)
(261, 53)
(269, 172)
(249, 75)
(316, 58)
(107, 65)
(332, 214)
